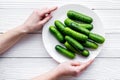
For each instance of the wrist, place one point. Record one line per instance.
(52, 75)
(55, 74)
(21, 29)
(18, 30)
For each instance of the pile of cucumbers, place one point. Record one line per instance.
(76, 35)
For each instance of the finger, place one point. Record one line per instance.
(53, 8)
(75, 63)
(45, 8)
(47, 11)
(85, 65)
(46, 19)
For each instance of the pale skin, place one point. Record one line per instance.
(70, 68)
(34, 23)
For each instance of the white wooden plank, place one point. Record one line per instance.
(8, 1)
(91, 4)
(32, 46)
(13, 19)
(54, 0)
(26, 68)
(110, 18)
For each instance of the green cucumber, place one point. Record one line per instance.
(59, 25)
(79, 16)
(85, 53)
(78, 46)
(76, 35)
(57, 34)
(79, 29)
(69, 47)
(65, 52)
(90, 44)
(68, 23)
(87, 26)
(96, 37)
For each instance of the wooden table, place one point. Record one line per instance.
(29, 58)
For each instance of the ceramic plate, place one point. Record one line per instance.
(60, 14)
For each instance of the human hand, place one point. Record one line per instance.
(72, 68)
(37, 19)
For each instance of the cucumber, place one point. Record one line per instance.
(79, 29)
(90, 44)
(79, 16)
(59, 25)
(57, 34)
(76, 35)
(87, 26)
(78, 46)
(96, 37)
(85, 53)
(69, 47)
(65, 52)
(68, 23)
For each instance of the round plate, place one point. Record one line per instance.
(60, 14)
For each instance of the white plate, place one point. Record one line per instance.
(60, 14)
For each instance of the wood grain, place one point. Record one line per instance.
(99, 4)
(28, 58)
(26, 68)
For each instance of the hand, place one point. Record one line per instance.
(37, 19)
(72, 68)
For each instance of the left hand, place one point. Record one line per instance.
(71, 68)
(37, 19)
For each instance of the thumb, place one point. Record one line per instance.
(85, 65)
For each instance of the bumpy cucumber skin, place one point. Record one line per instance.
(97, 38)
(79, 16)
(57, 34)
(68, 23)
(78, 46)
(90, 44)
(76, 27)
(80, 29)
(65, 52)
(59, 25)
(69, 47)
(76, 35)
(85, 53)
(86, 26)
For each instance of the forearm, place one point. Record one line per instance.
(9, 38)
(51, 75)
